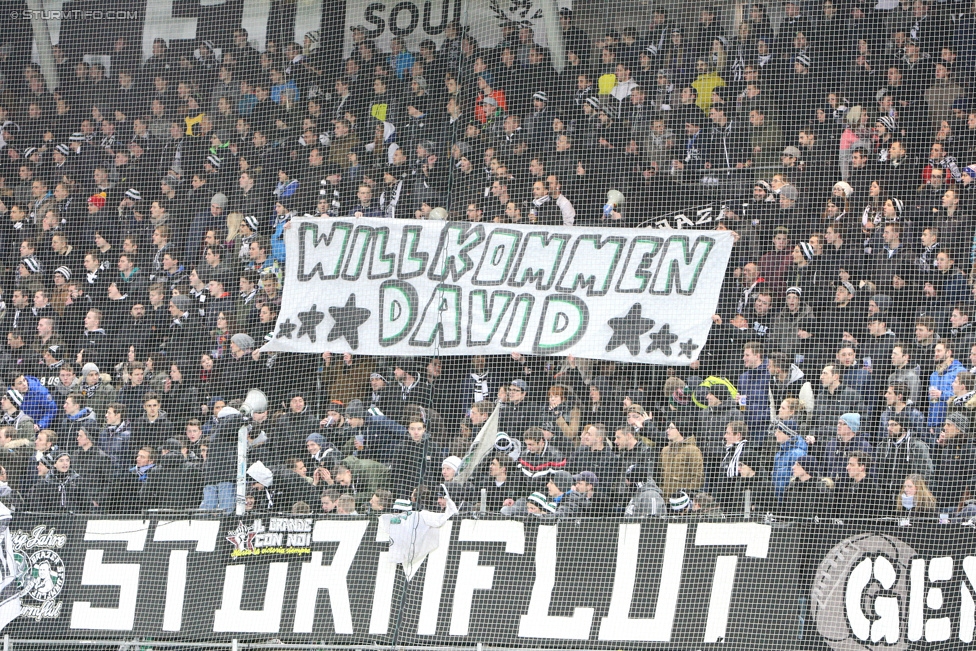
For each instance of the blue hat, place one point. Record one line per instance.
(853, 421)
(317, 438)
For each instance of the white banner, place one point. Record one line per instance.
(416, 20)
(407, 287)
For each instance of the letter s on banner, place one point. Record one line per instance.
(124, 575)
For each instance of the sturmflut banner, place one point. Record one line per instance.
(407, 287)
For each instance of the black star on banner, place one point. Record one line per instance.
(687, 348)
(348, 318)
(662, 340)
(310, 321)
(285, 329)
(628, 329)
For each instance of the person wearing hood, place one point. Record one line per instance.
(795, 328)
(76, 415)
(954, 461)
(849, 440)
(791, 447)
(901, 454)
(681, 461)
(60, 488)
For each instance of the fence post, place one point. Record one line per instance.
(6, 642)
(233, 645)
(747, 502)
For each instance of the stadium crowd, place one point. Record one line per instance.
(142, 208)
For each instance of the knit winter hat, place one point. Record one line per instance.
(244, 341)
(316, 438)
(89, 368)
(807, 251)
(899, 206)
(680, 501)
(788, 427)
(853, 421)
(540, 500)
(960, 420)
(845, 187)
(452, 462)
(15, 396)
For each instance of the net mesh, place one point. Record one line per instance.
(520, 324)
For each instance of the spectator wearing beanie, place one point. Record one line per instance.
(791, 447)
(838, 450)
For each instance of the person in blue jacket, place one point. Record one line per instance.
(791, 447)
(38, 403)
(947, 367)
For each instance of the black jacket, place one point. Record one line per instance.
(59, 491)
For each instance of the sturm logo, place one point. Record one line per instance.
(47, 574)
(521, 12)
(41, 570)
